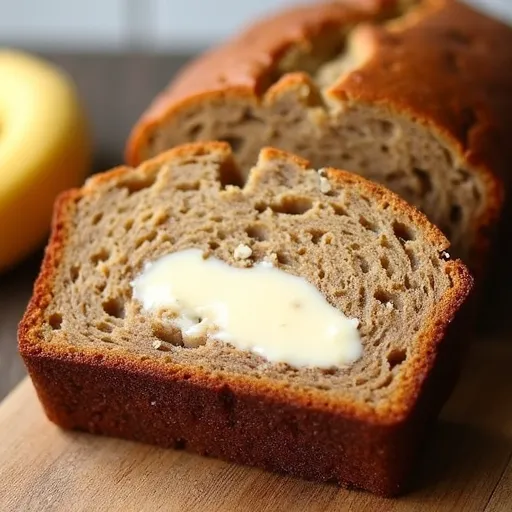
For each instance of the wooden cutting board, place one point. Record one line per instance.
(467, 464)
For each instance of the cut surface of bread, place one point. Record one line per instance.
(370, 254)
(414, 95)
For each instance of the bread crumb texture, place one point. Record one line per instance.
(369, 253)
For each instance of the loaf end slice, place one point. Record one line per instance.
(101, 364)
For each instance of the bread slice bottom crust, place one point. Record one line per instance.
(124, 395)
(121, 399)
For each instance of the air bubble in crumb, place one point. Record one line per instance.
(157, 344)
(325, 186)
(242, 252)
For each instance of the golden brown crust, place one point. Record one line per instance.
(443, 64)
(446, 65)
(70, 381)
(245, 65)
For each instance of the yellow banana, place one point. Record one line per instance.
(45, 148)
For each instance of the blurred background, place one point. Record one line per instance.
(154, 25)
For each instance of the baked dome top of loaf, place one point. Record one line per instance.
(428, 81)
(369, 253)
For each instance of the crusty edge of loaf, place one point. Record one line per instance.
(399, 405)
(200, 81)
(211, 75)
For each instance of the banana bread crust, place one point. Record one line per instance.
(243, 419)
(441, 63)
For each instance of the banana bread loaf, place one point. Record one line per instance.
(412, 94)
(101, 363)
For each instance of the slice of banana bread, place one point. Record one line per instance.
(413, 94)
(100, 363)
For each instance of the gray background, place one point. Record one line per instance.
(156, 25)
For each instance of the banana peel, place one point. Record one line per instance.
(45, 148)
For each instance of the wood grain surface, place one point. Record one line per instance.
(466, 466)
